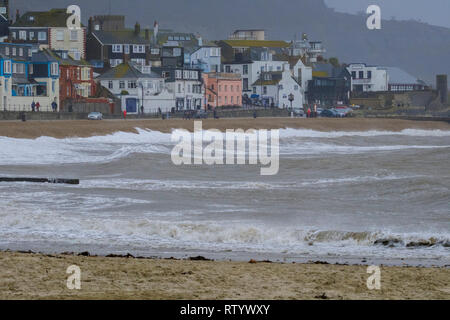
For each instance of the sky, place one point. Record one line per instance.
(435, 12)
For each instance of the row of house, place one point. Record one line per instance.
(156, 70)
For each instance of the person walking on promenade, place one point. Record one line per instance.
(54, 106)
(308, 113)
(38, 105)
(33, 106)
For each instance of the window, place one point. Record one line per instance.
(121, 84)
(132, 84)
(361, 74)
(117, 48)
(231, 100)
(60, 35)
(228, 69)
(31, 35)
(154, 51)
(245, 84)
(369, 74)
(225, 88)
(54, 68)
(22, 35)
(7, 51)
(138, 49)
(353, 74)
(264, 90)
(231, 88)
(179, 88)
(296, 87)
(126, 48)
(7, 66)
(110, 84)
(42, 36)
(178, 74)
(14, 51)
(14, 35)
(74, 35)
(20, 52)
(30, 53)
(245, 69)
(30, 69)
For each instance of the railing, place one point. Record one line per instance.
(25, 108)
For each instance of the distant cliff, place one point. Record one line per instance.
(421, 49)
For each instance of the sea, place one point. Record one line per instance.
(370, 197)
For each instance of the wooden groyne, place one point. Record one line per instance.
(40, 180)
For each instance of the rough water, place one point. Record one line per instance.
(338, 196)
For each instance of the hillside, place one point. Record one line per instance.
(421, 49)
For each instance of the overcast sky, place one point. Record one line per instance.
(434, 12)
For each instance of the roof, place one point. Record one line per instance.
(51, 18)
(67, 62)
(120, 37)
(43, 56)
(399, 76)
(275, 78)
(257, 43)
(126, 71)
(325, 70)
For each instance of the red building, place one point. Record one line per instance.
(76, 80)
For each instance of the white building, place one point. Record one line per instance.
(250, 71)
(186, 85)
(138, 87)
(368, 78)
(276, 87)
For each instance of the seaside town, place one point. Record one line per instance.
(110, 70)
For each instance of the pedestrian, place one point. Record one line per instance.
(54, 106)
(38, 105)
(142, 110)
(125, 114)
(308, 113)
(254, 114)
(33, 106)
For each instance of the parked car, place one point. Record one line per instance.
(201, 114)
(343, 112)
(95, 116)
(298, 112)
(329, 113)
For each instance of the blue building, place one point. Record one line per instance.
(27, 75)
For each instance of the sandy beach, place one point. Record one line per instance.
(85, 128)
(38, 276)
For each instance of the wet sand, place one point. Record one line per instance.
(86, 128)
(37, 276)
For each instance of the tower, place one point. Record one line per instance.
(4, 8)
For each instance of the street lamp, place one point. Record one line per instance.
(291, 98)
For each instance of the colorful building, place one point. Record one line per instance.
(223, 89)
(76, 77)
(27, 76)
(49, 30)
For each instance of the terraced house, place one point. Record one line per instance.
(76, 76)
(27, 76)
(112, 48)
(49, 30)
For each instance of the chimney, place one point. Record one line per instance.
(90, 25)
(442, 88)
(137, 29)
(147, 34)
(155, 31)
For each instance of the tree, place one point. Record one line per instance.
(334, 61)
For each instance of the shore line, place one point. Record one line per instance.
(27, 275)
(85, 128)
